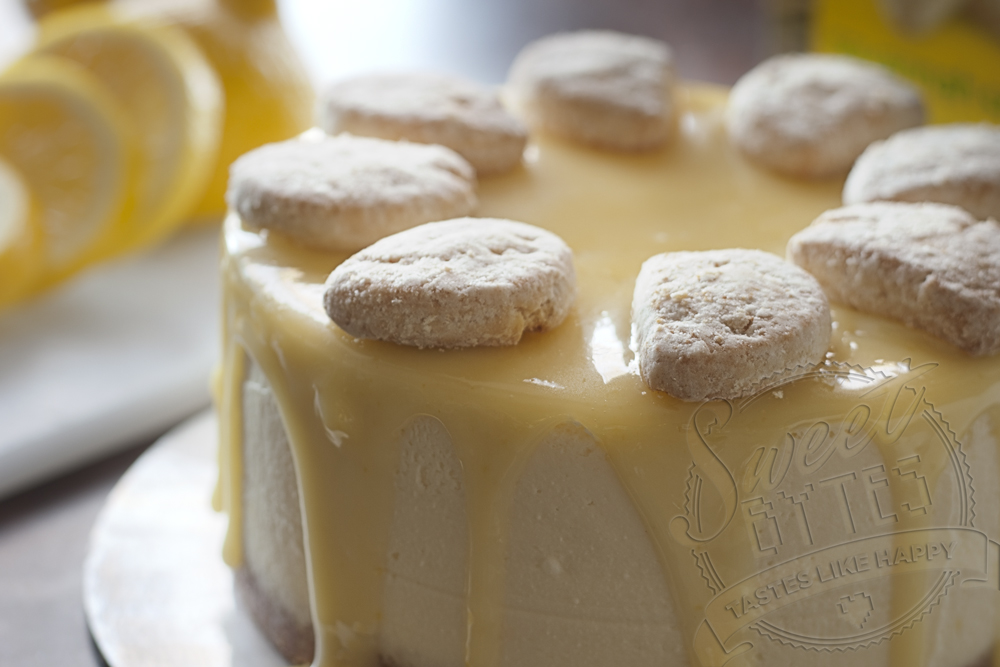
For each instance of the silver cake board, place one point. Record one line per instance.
(155, 590)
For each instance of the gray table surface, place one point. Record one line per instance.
(44, 531)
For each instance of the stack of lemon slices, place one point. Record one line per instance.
(111, 131)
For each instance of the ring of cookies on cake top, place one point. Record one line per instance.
(932, 266)
(598, 87)
(812, 115)
(458, 283)
(958, 164)
(712, 324)
(343, 193)
(428, 108)
(716, 323)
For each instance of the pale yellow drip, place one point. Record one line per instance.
(344, 401)
(229, 491)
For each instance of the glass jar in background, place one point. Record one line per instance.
(950, 48)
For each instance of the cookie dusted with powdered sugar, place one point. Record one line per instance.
(950, 164)
(463, 115)
(930, 266)
(811, 115)
(458, 283)
(714, 324)
(602, 88)
(343, 193)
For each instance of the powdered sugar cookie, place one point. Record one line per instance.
(931, 266)
(714, 324)
(602, 88)
(431, 109)
(345, 192)
(458, 283)
(951, 164)
(811, 115)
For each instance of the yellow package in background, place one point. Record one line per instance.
(956, 63)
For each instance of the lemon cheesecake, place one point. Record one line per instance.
(539, 504)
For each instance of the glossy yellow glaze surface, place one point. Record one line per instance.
(725, 490)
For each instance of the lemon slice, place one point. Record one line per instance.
(268, 94)
(170, 95)
(68, 140)
(20, 236)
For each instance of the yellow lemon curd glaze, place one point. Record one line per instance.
(694, 472)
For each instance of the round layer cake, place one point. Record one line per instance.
(539, 505)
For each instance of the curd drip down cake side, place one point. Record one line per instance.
(606, 421)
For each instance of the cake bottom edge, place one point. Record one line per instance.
(296, 642)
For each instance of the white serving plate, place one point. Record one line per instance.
(155, 590)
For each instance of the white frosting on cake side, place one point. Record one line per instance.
(423, 602)
(584, 585)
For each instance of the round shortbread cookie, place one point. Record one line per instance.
(343, 193)
(950, 164)
(714, 324)
(930, 266)
(602, 88)
(811, 115)
(457, 283)
(463, 115)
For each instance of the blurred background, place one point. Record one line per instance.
(478, 39)
(117, 125)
